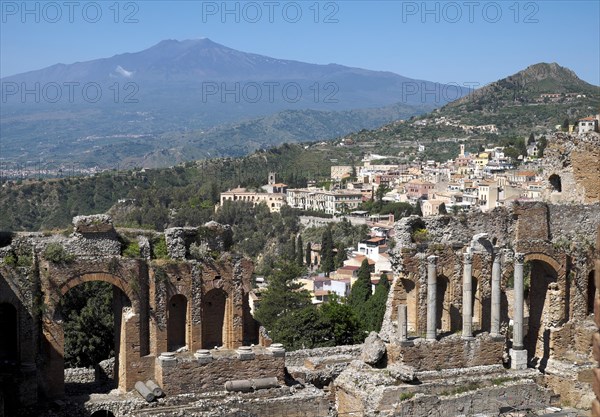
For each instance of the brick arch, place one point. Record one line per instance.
(53, 332)
(538, 256)
(545, 272)
(96, 276)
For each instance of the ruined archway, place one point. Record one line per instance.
(591, 292)
(176, 324)
(128, 332)
(476, 304)
(412, 311)
(555, 183)
(442, 308)
(91, 317)
(542, 295)
(9, 339)
(214, 308)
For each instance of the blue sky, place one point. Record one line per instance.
(461, 41)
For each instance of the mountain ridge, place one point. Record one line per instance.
(186, 86)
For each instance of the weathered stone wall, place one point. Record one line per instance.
(298, 357)
(448, 353)
(365, 391)
(276, 402)
(212, 236)
(576, 160)
(188, 374)
(482, 401)
(80, 375)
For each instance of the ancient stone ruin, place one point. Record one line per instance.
(493, 313)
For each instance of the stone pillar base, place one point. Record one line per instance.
(518, 359)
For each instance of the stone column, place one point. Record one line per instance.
(519, 302)
(402, 323)
(518, 353)
(431, 297)
(496, 277)
(467, 301)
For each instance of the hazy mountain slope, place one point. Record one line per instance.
(183, 86)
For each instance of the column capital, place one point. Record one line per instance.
(432, 260)
(519, 257)
(467, 257)
(497, 254)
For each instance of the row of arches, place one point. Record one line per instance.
(215, 320)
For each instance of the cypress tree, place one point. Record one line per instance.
(361, 289)
(308, 254)
(340, 257)
(376, 304)
(299, 254)
(418, 210)
(327, 252)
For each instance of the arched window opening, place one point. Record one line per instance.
(541, 280)
(442, 309)
(591, 295)
(213, 318)
(176, 327)
(555, 183)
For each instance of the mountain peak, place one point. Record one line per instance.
(545, 70)
(527, 86)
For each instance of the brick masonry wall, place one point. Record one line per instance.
(448, 353)
(187, 375)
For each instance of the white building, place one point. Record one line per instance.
(587, 124)
(330, 202)
(274, 201)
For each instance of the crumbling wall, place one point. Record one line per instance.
(575, 159)
(448, 353)
(187, 374)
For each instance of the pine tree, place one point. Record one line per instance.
(283, 295)
(299, 253)
(442, 209)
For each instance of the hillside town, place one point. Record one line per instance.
(477, 181)
(471, 182)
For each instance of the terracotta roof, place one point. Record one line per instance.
(590, 118)
(349, 268)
